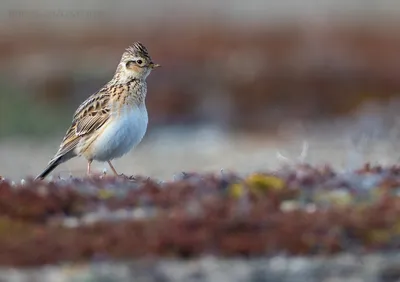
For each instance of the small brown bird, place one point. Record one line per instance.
(113, 120)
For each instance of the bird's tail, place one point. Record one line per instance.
(53, 164)
(50, 167)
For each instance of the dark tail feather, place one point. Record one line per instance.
(50, 167)
(57, 160)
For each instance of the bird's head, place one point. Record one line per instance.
(135, 63)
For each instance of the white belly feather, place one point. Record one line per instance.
(124, 132)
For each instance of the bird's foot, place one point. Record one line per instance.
(131, 178)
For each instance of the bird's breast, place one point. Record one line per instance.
(124, 131)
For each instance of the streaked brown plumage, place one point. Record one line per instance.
(114, 119)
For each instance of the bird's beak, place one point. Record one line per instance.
(153, 65)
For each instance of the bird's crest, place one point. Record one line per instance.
(137, 49)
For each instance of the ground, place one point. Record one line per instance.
(165, 153)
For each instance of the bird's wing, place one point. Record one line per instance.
(90, 116)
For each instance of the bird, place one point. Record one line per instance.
(113, 120)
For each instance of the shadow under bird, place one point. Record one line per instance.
(113, 120)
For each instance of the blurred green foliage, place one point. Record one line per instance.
(21, 115)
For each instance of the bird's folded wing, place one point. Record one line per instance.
(89, 117)
(91, 122)
(92, 114)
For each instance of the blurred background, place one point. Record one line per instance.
(240, 80)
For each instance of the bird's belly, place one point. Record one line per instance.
(123, 133)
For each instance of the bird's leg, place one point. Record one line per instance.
(116, 173)
(88, 167)
(113, 169)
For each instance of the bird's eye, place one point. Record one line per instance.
(138, 62)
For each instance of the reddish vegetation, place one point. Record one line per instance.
(299, 211)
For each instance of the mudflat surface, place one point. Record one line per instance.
(163, 154)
